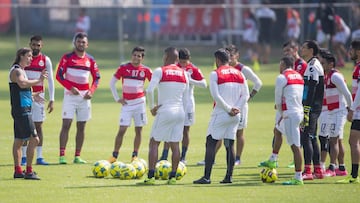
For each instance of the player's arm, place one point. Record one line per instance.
(339, 81)
(250, 75)
(95, 73)
(155, 79)
(113, 89)
(214, 91)
(197, 79)
(244, 94)
(186, 92)
(60, 74)
(279, 87)
(51, 86)
(17, 76)
(355, 104)
(310, 86)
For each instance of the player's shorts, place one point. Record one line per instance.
(38, 111)
(223, 126)
(294, 33)
(76, 104)
(243, 117)
(355, 125)
(168, 125)
(250, 36)
(289, 126)
(323, 120)
(134, 111)
(24, 127)
(336, 123)
(341, 37)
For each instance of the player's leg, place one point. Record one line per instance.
(33, 142)
(165, 151)
(210, 152)
(230, 160)
(153, 154)
(341, 170)
(39, 156)
(140, 120)
(16, 151)
(64, 136)
(175, 158)
(240, 142)
(137, 142)
(23, 153)
(79, 141)
(118, 142)
(185, 143)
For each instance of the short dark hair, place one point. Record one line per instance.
(312, 44)
(184, 54)
(288, 61)
(223, 55)
(232, 49)
(139, 49)
(291, 43)
(329, 57)
(36, 38)
(323, 52)
(172, 53)
(80, 35)
(355, 44)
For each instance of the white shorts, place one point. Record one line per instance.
(250, 36)
(336, 123)
(168, 125)
(243, 117)
(341, 37)
(289, 126)
(136, 112)
(38, 111)
(323, 120)
(76, 104)
(223, 126)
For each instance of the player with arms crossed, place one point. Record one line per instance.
(39, 62)
(173, 84)
(73, 74)
(228, 88)
(133, 101)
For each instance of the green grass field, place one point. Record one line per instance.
(74, 183)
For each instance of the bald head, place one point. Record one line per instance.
(171, 55)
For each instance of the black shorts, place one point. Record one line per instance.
(355, 125)
(24, 127)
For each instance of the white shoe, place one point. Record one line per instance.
(201, 163)
(237, 162)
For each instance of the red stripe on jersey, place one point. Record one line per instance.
(292, 78)
(334, 102)
(300, 66)
(172, 73)
(239, 66)
(38, 63)
(229, 74)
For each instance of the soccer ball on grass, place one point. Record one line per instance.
(101, 169)
(268, 175)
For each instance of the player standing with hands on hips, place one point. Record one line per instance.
(230, 92)
(73, 74)
(173, 85)
(21, 103)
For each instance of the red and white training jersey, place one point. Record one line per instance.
(337, 95)
(355, 91)
(133, 79)
(229, 89)
(300, 66)
(172, 83)
(289, 91)
(74, 71)
(250, 75)
(196, 79)
(33, 71)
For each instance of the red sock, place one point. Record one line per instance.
(62, 151)
(77, 152)
(28, 169)
(307, 168)
(18, 169)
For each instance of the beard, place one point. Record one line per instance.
(354, 57)
(35, 52)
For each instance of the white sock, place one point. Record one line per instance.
(39, 151)
(273, 157)
(23, 150)
(298, 175)
(322, 165)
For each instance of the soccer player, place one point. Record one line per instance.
(169, 111)
(312, 102)
(340, 38)
(83, 22)
(338, 100)
(293, 23)
(21, 103)
(228, 88)
(196, 78)
(354, 116)
(39, 62)
(288, 95)
(73, 74)
(133, 101)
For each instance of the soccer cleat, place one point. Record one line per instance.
(291, 165)
(148, 181)
(340, 172)
(308, 176)
(172, 181)
(202, 180)
(269, 164)
(293, 182)
(62, 160)
(319, 173)
(330, 173)
(183, 161)
(237, 162)
(349, 180)
(226, 180)
(31, 176)
(23, 161)
(112, 159)
(19, 175)
(202, 163)
(41, 161)
(78, 160)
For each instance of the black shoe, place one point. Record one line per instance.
(32, 176)
(19, 175)
(202, 180)
(226, 180)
